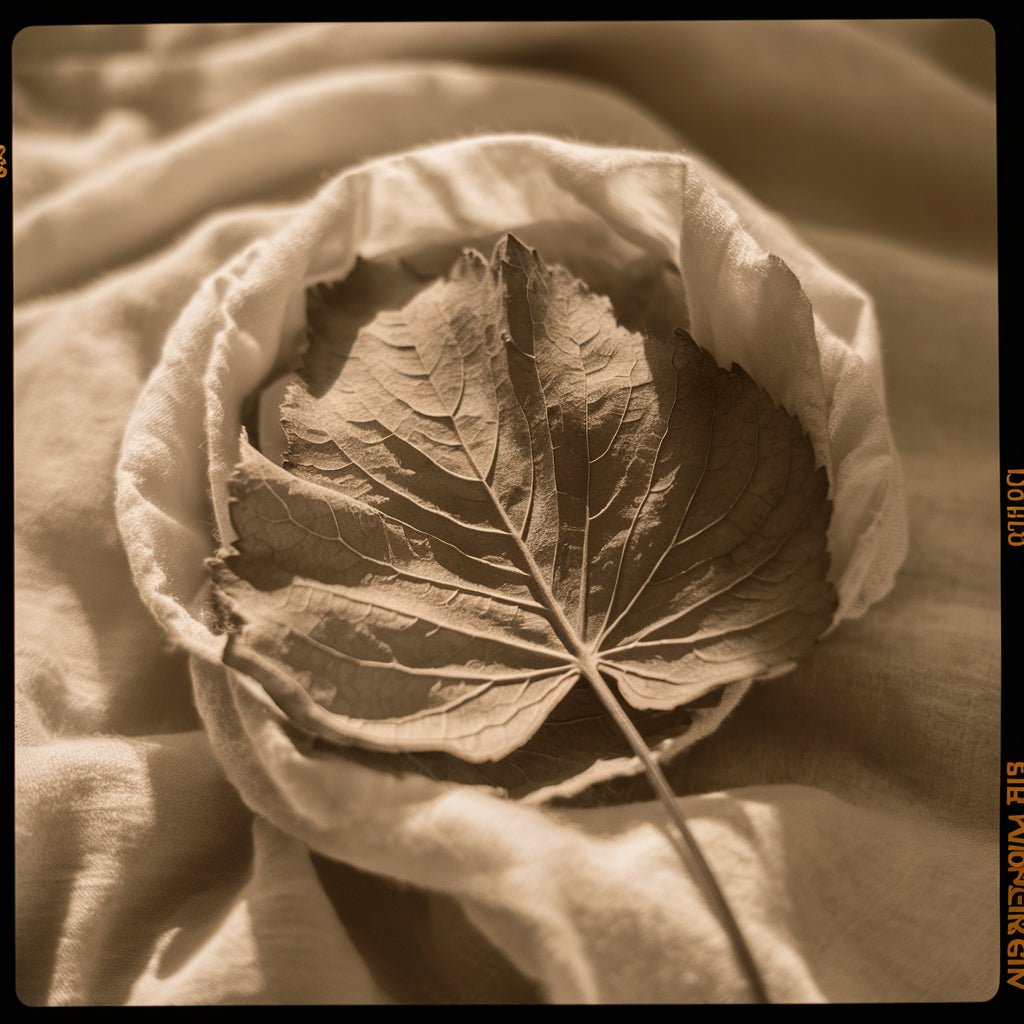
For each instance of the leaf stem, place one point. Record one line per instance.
(679, 832)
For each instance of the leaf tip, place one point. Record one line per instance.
(510, 251)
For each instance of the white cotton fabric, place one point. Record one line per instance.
(209, 855)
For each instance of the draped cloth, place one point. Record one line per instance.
(825, 195)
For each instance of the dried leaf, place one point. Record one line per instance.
(494, 494)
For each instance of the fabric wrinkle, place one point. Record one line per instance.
(813, 200)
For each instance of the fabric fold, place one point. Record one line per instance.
(739, 300)
(812, 200)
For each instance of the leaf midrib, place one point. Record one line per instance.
(567, 633)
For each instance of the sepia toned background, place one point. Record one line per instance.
(850, 808)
